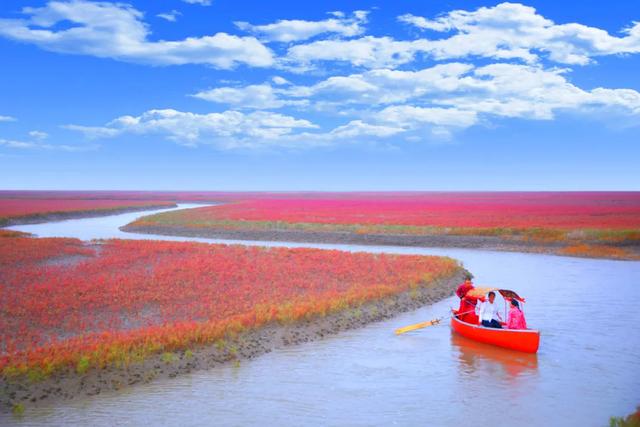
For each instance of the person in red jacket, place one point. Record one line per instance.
(467, 303)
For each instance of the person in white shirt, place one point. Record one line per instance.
(489, 316)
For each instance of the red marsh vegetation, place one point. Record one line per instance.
(65, 304)
(603, 217)
(20, 208)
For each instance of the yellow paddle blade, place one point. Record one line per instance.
(417, 326)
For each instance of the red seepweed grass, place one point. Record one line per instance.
(603, 218)
(119, 301)
(33, 208)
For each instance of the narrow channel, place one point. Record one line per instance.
(587, 369)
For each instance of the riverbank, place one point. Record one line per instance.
(64, 385)
(622, 250)
(38, 218)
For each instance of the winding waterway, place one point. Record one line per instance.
(587, 368)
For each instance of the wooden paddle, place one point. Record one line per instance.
(418, 326)
(424, 324)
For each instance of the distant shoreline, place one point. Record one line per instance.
(247, 345)
(492, 243)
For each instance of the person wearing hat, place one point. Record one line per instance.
(467, 309)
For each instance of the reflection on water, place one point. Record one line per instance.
(475, 357)
(586, 370)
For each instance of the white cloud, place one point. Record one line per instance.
(410, 116)
(624, 98)
(229, 129)
(233, 129)
(280, 81)
(408, 122)
(34, 145)
(358, 128)
(422, 23)
(507, 31)
(38, 135)
(169, 16)
(261, 96)
(116, 30)
(367, 51)
(531, 92)
(433, 101)
(94, 132)
(7, 119)
(508, 90)
(289, 30)
(426, 104)
(200, 2)
(385, 86)
(512, 30)
(16, 144)
(373, 87)
(355, 131)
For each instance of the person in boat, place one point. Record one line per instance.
(489, 315)
(516, 318)
(467, 309)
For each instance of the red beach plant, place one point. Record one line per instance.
(541, 217)
(66, 304)
(32, 208)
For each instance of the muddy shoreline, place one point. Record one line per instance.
(491, 243)
(61, 216)
(247, 345)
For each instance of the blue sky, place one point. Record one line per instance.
(361, 95)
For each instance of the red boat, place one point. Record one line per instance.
(526, 340)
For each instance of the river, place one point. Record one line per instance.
(587, 368)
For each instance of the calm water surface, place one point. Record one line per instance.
(587, 369)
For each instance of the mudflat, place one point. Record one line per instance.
(625, 250)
